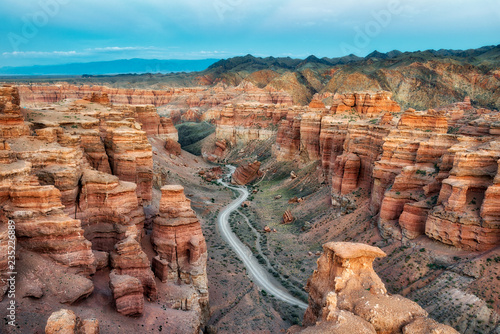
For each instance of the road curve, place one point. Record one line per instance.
(259, 275)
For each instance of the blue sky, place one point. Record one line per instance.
(36, 32)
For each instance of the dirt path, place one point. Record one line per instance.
(259, 275)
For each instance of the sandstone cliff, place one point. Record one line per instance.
(364, 103)
(11, 120)
(109, 210)
(70, 211)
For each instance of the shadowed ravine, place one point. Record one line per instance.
(255, 270)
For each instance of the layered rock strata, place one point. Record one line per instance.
(247, 173)
(347, 296)
(430, 181)
(182, 252)
(109, 210)
(128, 293)
(12, 123)
(67, 322)
(242, 123)
(153, 124)
(467, 214)
(43, 227)
(50, 94)
(364, 103)
(130, 155)
(129, 259)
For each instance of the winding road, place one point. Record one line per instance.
(259, 275)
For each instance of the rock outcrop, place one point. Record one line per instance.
(109, 210)
(429, 181)
(99, 94)
(153, 124)
(242, 123)
(128, 293)
(131, 157)
(364, 103)
(466, 214)
(12, 123)
(43, 227)
(182, 252)
(347, 296)
(129, 259)
(73, 217)
(287, 217)
(247, 173)
(67, 322)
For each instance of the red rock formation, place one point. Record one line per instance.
(428, 181)
(317, 104)
(131, 158)
(220, 148)
(244, 122)
(95, 151)
(423, 121)
(66, 322)
(333, 134)
(316, 137)
(11, 121)
(54, 164)
(287, 145)
(247, 173)
(109, 209)
(153, 124)
(99, 98)
(347, 167)
(42, 226)
(409, 163)
(364, 103)
(50, 94)
(191, 116)
(287, 217)
(173, 147)
(345, 294)
(127, 293)
(181, 248)
(310, 128)
(459, 219)
(129, 259)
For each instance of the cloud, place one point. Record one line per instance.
(40, 53)
(121, 48)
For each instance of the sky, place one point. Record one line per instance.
(41, 32)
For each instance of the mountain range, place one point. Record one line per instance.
(137, 66)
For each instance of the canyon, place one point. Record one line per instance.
(75, 181)
(372, 200)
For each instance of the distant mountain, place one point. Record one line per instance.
(417, 79)
(137, 66)
(251, 64)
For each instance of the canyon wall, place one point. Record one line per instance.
(53, 93)
(429, 172)
(74, 180)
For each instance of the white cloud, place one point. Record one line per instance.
(39, 53)
(121, 48)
